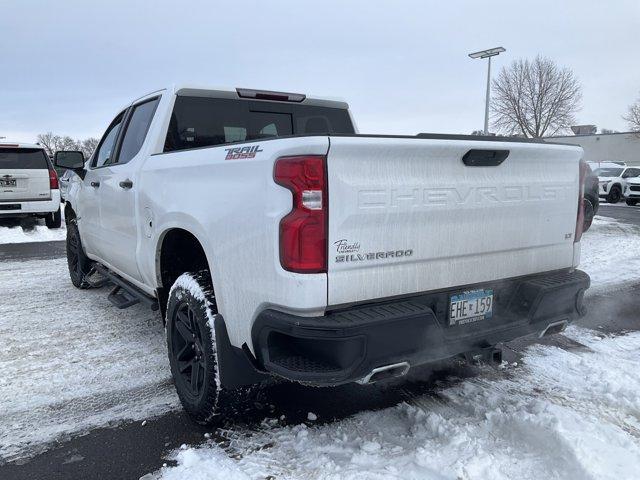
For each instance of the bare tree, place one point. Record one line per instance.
(53, 143)
(535, 98)
(633, 116)
(49, 141)
(88, 145)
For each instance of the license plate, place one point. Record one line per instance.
(471, 306)
(7, 182)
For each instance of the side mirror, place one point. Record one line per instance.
(71, 160)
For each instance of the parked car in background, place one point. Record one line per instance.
(632, 191)
(28, 184)
(613, 181)
(591, 200)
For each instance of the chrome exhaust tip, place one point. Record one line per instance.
(384, 372)
(555, 327)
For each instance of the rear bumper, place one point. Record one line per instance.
(18, 209)
(346, 345)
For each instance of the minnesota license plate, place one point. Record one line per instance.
(7, 182)
(471, 306)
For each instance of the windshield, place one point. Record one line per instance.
(22, 158)
(608, 172)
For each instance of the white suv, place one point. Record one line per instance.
(632, 191)
(613, 181)
(28, 184)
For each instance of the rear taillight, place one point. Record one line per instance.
(580, 219)
(53, 179)
(303, 232)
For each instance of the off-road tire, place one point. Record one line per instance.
(79, 264)
(614, 195)
(191, 347)
(54, 219)
(589, 213)
(632, 203)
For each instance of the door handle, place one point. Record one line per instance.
(95, 184)
(126, 184)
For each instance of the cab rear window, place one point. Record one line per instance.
(203, 121)
(23, 159)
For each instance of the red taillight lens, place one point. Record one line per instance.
(303, 232)
(580, 219)
(53, 179)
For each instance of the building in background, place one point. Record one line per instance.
(604, 147)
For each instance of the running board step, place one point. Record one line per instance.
(124, 294)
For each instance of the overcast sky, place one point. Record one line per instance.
(68, 66)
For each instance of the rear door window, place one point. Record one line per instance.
(137, 128)
(203, 121)
(23, 159)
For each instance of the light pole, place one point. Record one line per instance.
(492, 52)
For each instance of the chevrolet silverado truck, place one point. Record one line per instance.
(277, 242)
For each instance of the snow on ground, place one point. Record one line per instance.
(34, 230)
(70, 361)
(610, 254)
(39, 233)
(562, 415)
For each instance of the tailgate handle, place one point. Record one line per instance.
(485, 158)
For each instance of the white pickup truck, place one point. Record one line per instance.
(277, 242)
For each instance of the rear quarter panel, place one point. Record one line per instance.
(234, 209)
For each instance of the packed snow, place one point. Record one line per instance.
(561, 414)
(38, 233)
(610, 254)
(70, 361)
(14, 230)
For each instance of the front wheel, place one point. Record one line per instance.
(54, 219)
(632, 202)
(79, 264)
(192, 347)
(615, 194)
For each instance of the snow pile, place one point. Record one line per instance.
(39, 233)
(610, 254)
(565, 414)
(70, 361)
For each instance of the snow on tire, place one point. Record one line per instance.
(191, 345)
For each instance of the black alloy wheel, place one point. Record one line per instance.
(187, 346)
(79, 264)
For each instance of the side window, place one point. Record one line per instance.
(631, 173)
(105, 151)
(136, 129)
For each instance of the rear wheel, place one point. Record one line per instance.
(588, 214)
(632, 202)
(78, 263)
(54, 219)
(615, 194)
(192, 346)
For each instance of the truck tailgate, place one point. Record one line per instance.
(406, 215)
